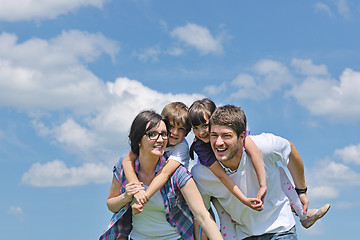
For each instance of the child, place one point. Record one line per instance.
(176, 116)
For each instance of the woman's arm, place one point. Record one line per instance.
(258, 163)
(130, 174)
(219, 172)
(197, 207)
(116, 200)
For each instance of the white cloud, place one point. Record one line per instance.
(175, 51)
(101, 137)
(343, 8)
(20, 10)
(58, 74)
(15, 210)
(214, 89)
(149, 54)
(57, 174)
(321, 7)
(100, 113)
(18, 212)
(268, 77)
(328, 178)
(339, 100)
(198, 37)
(323, 192)
(348, 205)
(349, 154)
(306, 67)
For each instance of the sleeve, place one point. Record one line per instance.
(118, 170)
(181, 176)
(274, 147)
(205, 154)
(180, 153)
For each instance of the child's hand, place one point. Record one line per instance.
(141, 197)
(132, 188)
(255, 204)
(137, 208)
(261, 193)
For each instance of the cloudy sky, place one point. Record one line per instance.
(74, 73)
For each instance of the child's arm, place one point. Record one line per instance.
(257, 161)
(129, 170)
(219, 172)
(161, 177)
(158, 182)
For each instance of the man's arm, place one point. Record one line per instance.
(296, 168)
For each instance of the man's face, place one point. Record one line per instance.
(225, 143)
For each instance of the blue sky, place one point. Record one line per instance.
(74, 73)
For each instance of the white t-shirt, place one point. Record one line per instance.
(179, 152)
(151, 223)
(277, 215)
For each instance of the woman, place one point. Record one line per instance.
(166, 215)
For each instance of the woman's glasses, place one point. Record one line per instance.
(156, 135)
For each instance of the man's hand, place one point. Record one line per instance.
(304, 200)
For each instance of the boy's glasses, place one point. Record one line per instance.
(156, 135)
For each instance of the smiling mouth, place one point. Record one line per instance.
(221, 150)
(159, 146)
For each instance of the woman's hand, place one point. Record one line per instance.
(131, 189)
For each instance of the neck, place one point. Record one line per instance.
(148, 163)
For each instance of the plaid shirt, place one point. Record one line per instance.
(177, 211)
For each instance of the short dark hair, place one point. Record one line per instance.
(199, 108)
(178, 114)
(138, 127)
(231, 116)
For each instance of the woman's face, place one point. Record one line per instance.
(155, 140)
(202, 131)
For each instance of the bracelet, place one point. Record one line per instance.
(301, 190)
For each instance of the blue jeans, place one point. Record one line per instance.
(287, 235)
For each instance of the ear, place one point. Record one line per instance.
(242, 137)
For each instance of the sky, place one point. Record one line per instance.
(74, 74)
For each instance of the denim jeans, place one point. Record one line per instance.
(287, 235)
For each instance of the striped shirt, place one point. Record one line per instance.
(177, 212)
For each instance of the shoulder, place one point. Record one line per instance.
(182, 145)
(118, 169)
(266, 140)
(199, 171)
(181, 176)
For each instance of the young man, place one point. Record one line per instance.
(227, 134)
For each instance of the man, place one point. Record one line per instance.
(227, 134)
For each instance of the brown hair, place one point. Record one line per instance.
(231, 116)
(178, 114)
(198, 109)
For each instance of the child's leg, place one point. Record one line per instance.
(290, 192)
(227, 227)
